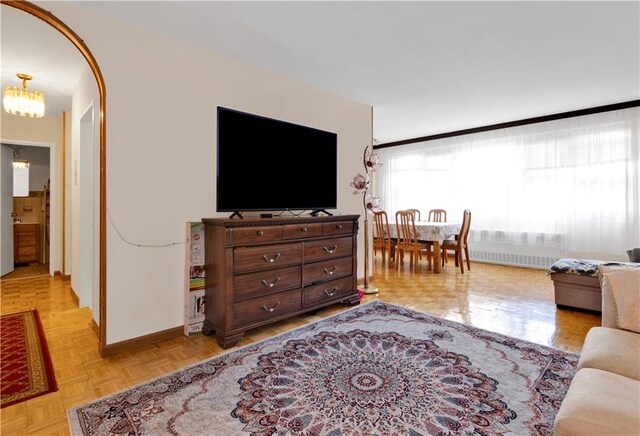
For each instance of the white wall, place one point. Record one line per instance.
(161, 129)
(45, 130)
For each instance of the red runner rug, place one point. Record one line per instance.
(25, 364)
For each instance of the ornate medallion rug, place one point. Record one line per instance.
(25, 364)
(377, 369)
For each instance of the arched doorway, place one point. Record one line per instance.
(53, 21)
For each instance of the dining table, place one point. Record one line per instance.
(434, 232)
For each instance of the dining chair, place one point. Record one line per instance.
(382, 237)
(459, 244)
(408, 240)
(416, 212)
(416, 216)
(437, 216)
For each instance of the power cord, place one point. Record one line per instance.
(169, 244)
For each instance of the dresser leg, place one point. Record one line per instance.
(228, 341)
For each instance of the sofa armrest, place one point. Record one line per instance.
(608, 305)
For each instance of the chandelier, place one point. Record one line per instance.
(23, 102)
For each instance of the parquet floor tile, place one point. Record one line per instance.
(514, 301)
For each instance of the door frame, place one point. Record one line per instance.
(55, 201)
(67, 32)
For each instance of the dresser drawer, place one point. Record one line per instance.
(267, 307)
(308, 230)
(26, 239)
(326, 292)
(327, 270)
(337, 228)
(327, 249)
(266, 256)
(26, 254)
(255, 235)
(266, 282)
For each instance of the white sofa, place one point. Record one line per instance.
(604, 396)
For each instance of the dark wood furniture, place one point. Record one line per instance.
(26, 242)
(262, 270)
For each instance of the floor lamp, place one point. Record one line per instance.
(370, 203)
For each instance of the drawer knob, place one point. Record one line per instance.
(333, 270)
(271, 259)
(304, 229)
(271, 285)
(338, 226)
(260, 233)
(270, 309)
(331, 250)
(330, 293)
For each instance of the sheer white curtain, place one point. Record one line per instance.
(571, 184)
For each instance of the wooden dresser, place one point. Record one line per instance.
(263, 270)
(26, 242)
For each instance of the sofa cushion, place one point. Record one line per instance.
(599, 403)
(622, 286)
(613, 350)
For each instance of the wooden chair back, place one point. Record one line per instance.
(464, 228)
(438, 216)
(416, 213)
(406, 228)
(382, 235)
(381, 229)
(408, 239)
(459, 245)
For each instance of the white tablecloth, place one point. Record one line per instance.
(429, 231)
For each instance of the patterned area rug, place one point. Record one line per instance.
(25, 364)
(377, 369)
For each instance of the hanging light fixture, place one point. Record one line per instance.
(23, 102)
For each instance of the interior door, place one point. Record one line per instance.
(6, 209)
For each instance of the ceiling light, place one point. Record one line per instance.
(20, 164)
(23, 102)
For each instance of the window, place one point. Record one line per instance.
(569, 184)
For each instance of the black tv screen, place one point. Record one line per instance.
(267, 165)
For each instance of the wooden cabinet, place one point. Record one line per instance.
(26, 242)
(263, 270)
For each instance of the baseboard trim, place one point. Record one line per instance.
(96, 328)
(135, 344)
(74, 295)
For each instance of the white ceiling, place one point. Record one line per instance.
(426, 67)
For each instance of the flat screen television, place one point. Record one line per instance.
(265, 164)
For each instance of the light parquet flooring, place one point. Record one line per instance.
(514, 301)
(27, 271)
